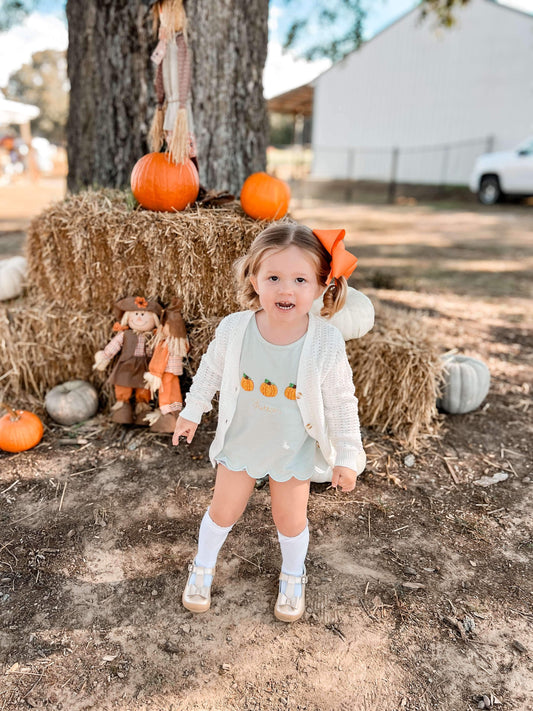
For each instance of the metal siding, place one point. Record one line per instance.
(412, 86)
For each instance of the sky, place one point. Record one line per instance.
(47, 29)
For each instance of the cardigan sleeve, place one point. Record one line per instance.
(341, 411)
(208, 377)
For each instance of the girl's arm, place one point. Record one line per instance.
(208, 378)
(341, 412)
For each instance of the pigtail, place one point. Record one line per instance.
(334, 297)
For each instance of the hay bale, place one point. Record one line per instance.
(89, 250)
(397, 371)
(43, 344)
(397, 368)
(93, 248)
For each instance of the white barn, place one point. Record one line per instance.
(440, 98)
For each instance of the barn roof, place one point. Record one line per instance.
(295, 101)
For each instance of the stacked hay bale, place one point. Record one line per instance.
(93, 248)
(397, 371)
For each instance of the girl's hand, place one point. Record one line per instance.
(343, 477)
(184, 427)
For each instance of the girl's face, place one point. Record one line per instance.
(287, 284)
(141, 320)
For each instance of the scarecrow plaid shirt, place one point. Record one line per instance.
(115, 345)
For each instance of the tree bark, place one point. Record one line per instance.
(229, 45)
(112, 97)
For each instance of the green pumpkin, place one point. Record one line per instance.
(465, 384)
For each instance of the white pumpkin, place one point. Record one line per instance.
(71, 402)
(465, 384)
(354, 319)
(12, 275)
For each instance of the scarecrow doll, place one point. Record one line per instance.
(171, 347)
(172, 122)
(133, 344)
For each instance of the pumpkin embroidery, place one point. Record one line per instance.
(247, 383)
(290, 391)
(268, 389)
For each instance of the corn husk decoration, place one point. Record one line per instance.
(172, 123)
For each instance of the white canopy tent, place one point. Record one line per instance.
(16, 112)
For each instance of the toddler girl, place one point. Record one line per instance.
(286, 405)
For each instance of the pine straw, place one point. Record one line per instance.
(397, 372)
(91, 249)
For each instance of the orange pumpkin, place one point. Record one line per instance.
(159, 184)
(268, 389)
(19, 430)
(264, 197)
(290, 391)
(247, 383)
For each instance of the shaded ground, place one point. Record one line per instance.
(420, 591)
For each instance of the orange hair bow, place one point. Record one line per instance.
(342, 262)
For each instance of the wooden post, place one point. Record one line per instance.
(393, 176)
(33, 168)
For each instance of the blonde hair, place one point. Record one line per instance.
(276, 238)
(169, 15)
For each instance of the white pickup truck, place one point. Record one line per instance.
(496, 175)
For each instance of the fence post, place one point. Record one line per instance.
(393, 176)
(489, 146)
(350, 163)
(444, 173)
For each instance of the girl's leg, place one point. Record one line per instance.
(289, 511)
(289, 505)
(232, 491)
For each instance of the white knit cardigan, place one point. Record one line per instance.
(325, 391)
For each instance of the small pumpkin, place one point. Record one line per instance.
(464, 386)
(264, 197)
(12, 274)
(247, 383)
(159, 184)
(19, 430)
(290, 391)
(71, 402)
(354, 319)
(268, 389)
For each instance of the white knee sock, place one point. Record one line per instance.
(293, 552)
(210, 540)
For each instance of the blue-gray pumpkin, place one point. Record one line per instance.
(71, 402)
(465, 384)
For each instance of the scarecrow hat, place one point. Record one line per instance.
(136, 303)
(172, 316)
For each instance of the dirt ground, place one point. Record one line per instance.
(420, 584)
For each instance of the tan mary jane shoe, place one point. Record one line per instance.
(197, 596)
(288, 607)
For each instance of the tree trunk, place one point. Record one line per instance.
(229, 44)
(112, 97)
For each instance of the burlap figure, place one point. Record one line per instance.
(171, 347)
(132, 347)
(173, 122)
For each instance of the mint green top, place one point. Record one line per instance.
(267, 434)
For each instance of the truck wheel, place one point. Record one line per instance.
(489, 190)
